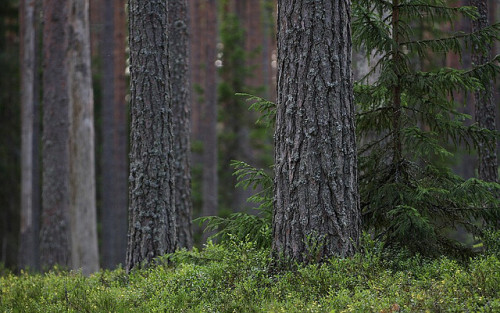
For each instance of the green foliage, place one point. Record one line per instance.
(409, 128)
(491, 241)
(234, 277)
(244, 225)
(235, 139)
(265, 108)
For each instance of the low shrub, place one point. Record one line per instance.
(235, 277)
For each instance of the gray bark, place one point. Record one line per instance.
(316, 205)
(485, 110)
(181, 114)
(55, 229)
(152, 219)
(84, 249)
(30, 207)
(114, 136)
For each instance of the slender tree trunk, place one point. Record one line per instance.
(254, 42)
(30, 208)
(466, 167)
(152, 220)
(234, 141)
(203, 76)
(114, 136)
(84, 249)
(272, 50)
(316, 206)
(484, 105)
(96, 26)
(55, 243)
(209, 111)
(181, 113)
(195, 72)
(204, 101)
(396, 91)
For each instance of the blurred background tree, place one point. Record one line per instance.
(10, 141)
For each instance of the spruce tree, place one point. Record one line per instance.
(409, 127)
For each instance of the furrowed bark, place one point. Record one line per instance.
(152, 220)
(55, 241)
(316, 204)
(181, 114)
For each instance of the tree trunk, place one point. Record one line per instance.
(114, 171)
(234, 117)
(203, 77)
(30, 208)
(152, 219)
(96, 26)
(316, 206)
(270, 49)
(484, 106)
(55, 245)
(195, 72)
(254, 42)
(84, 249)
(204, 102)
(181, 114)
(209, 111)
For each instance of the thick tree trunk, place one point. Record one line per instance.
(30, 207)
(316, 211)
(84, 249)
(114, 136)
(55, 245)
(484, 105)
(181, 114)
(152, 219)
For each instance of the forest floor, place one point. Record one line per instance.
(236, 277)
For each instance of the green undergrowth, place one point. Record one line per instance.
(235, 277)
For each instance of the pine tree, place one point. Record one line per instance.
(55, 237)
(316, 201)
(203, 54)
(152, 220)
(30, 206)
(234, 118)
(409, 126)
(82, 202)
(114, 165)
(181, 113)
